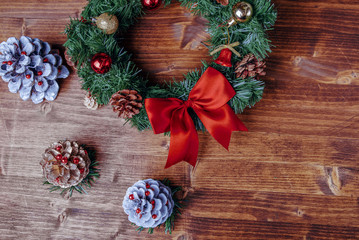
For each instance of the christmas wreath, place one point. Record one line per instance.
(205, 100)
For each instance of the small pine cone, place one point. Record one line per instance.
(223, 2)
(69, 60)
(126, 102)
(148, 203)
(90, 102)
(65, 164)
(250, 66)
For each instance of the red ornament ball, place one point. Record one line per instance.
(151, 4)
(147, 185)
(138, 210)
(58, 157)
(101, 63)
(82, 170)
(59, 147)
(147, 193)
(131, 197)
(154, 216)
(28, 76)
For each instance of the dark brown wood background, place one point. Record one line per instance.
(294, 175)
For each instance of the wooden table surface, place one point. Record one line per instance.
(294, 175)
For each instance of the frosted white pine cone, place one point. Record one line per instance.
(30, 68)
(90, 102)
(148, 203)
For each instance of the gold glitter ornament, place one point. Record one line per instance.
(241, 12)
(107, 23)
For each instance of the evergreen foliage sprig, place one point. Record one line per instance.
(84, 40)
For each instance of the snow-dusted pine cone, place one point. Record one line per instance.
(31, 69)
(148, 203)
(250, 66)
(126, 102)
(65, 164)
(90, 102)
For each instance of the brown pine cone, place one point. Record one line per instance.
(223, 2)
(250, 66)
(65, 164)
(126, 102)
(69, 60)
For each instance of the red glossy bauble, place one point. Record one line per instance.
(151, 4)
(101, 63)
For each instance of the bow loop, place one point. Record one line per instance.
(208, 99)
(212, 90)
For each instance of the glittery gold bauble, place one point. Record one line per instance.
(241, 12)
(107, 23)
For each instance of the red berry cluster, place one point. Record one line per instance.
(64, 160)
(147, 193)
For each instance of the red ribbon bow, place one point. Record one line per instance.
(208, 99)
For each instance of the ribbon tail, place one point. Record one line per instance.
(221, 123)
(184, 139)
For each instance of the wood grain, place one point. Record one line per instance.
(294, 175)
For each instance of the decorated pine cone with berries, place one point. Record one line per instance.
(150, 203)
(127, 103)
(250, 66)
(65, 164)
(31, 68)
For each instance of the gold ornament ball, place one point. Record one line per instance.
(242, 12)
(107, 23)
